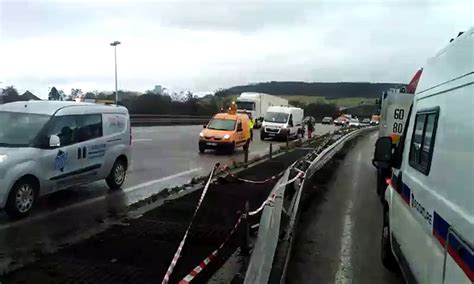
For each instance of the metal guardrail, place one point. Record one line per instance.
(167, 119)
(270, 236)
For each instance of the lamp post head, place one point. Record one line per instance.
(115, 43)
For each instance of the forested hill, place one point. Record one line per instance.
(327, 90)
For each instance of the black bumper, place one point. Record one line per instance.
(218, 145)
(283, 134)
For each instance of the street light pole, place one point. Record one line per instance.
(114, 44)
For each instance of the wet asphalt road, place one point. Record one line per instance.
(339, 234)
(162, 157)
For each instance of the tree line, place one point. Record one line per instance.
(328, 90)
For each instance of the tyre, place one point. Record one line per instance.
(22, 198)
(388, 259)
(117, 175)
(202, 149)
(262, 135)
(232, 148)
(246, 145)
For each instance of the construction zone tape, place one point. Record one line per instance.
(180, 248)
(191, 275)
(226, 169)
(188, 278)
(272, 196)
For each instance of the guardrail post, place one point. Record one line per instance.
(246, 157)
(244, 247)
(270, 154)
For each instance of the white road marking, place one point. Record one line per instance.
(141, 139)
(151, 182)
(345, 272)
(93, 200)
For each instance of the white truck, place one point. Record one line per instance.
(257, 104)
(394, 111)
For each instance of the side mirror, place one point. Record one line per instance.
(54, 141)
(204, 126)
(383, 153)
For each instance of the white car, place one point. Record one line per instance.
(354, 122)
(428, 210)
(47, 146)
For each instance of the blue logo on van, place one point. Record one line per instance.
(60, 161)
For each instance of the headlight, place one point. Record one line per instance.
(201, 134)
(227, 136)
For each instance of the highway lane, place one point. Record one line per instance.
(339, 234)
(162, 157)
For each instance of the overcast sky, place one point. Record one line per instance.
(202, 46)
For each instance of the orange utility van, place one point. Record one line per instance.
(226, 131)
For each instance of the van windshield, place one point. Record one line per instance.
(277, 117)
(19, 129)
(221, 124)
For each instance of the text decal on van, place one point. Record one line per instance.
(459, 250)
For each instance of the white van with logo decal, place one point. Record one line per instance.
(429, 203)
(46, 146)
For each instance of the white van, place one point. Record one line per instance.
(47, 146)
(282, 122)
(429, 203)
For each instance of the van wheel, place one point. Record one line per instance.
(262, 136)
(201, 149)
(117, 175)
(231, 148)
(388, 259)
(22, 197)
(246, 145)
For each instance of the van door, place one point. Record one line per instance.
(60, 165)
(92, 146)
(240, 133)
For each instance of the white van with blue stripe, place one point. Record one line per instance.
(429, 203)
(47, 146)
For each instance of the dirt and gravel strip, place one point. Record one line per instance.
(140, 250)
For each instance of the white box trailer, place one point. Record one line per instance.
(257, 104)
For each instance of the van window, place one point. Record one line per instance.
(422, 144)
(90, 127)
(66, 128)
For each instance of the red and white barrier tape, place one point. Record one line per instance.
(191, 275)
(180, 248)
(272, 196)
(226, 169)
(188, 278)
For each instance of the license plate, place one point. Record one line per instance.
(271, 134)
(211, 144)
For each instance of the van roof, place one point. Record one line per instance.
(51, 107)
(453, 62)
(230, 116)
(283, 109)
